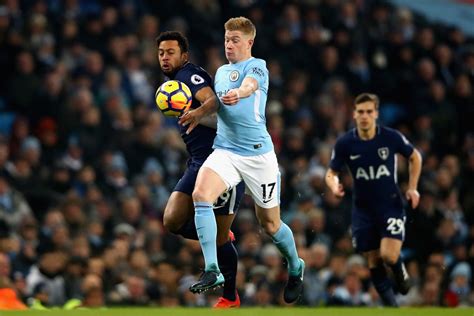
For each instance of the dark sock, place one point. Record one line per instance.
(383, 285)
(188, 230)
(397, 267)
(227, 257)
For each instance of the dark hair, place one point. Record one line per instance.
(367, 97)
(174, 36)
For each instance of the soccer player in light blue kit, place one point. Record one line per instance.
(243, 150)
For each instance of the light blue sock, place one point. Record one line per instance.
(206, 228)
(285, 242)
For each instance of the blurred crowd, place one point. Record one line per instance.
(87, 162)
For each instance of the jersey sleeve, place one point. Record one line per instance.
(257, 69)
(404, 146)
(338, 156)
(194, 79)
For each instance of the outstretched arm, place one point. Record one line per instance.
(204, 114)
(414, 167)
(249, 85)
(333, 183)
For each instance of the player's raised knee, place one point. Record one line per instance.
(170, 222)
(200, 195)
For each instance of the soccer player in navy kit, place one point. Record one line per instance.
(378, 217)
(179, 211)
(243, 151)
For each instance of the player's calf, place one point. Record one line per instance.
(400, 273)
(228, 260)
(390, 253)
(402, 279)
(383, 285)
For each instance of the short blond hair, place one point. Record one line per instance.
(241, 24)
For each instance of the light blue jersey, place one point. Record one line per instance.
(241, 128)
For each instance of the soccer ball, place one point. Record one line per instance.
(173, 98)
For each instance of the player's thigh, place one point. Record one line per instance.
(178, 210)
(391, 223)
(229, 201)
(179, 207)
(392, 229)
(216, 175)
(262, 178)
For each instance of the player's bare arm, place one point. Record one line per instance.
(248, 86)
(333, 183)
(414, 167)
(205, 114)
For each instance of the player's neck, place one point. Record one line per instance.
(367, 134)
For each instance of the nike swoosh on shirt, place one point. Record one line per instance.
(266, 201)
(354, 157)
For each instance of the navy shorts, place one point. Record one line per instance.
(370, 226)
(227, 203)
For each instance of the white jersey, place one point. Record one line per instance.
(241, 128)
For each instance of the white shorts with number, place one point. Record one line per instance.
(260, 174)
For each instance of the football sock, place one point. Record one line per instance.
(285, 242)
(397, 267)
(188, 230)
(227, 257)
(206, 228)
(383, 285)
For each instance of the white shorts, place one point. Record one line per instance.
(260, 174)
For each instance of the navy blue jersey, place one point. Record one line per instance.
(199, 142)
(373, 165)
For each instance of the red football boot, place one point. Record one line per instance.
(225, 303)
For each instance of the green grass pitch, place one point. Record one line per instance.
(290, 311)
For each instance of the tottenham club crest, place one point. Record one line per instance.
(383, 153)
(234, 75)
